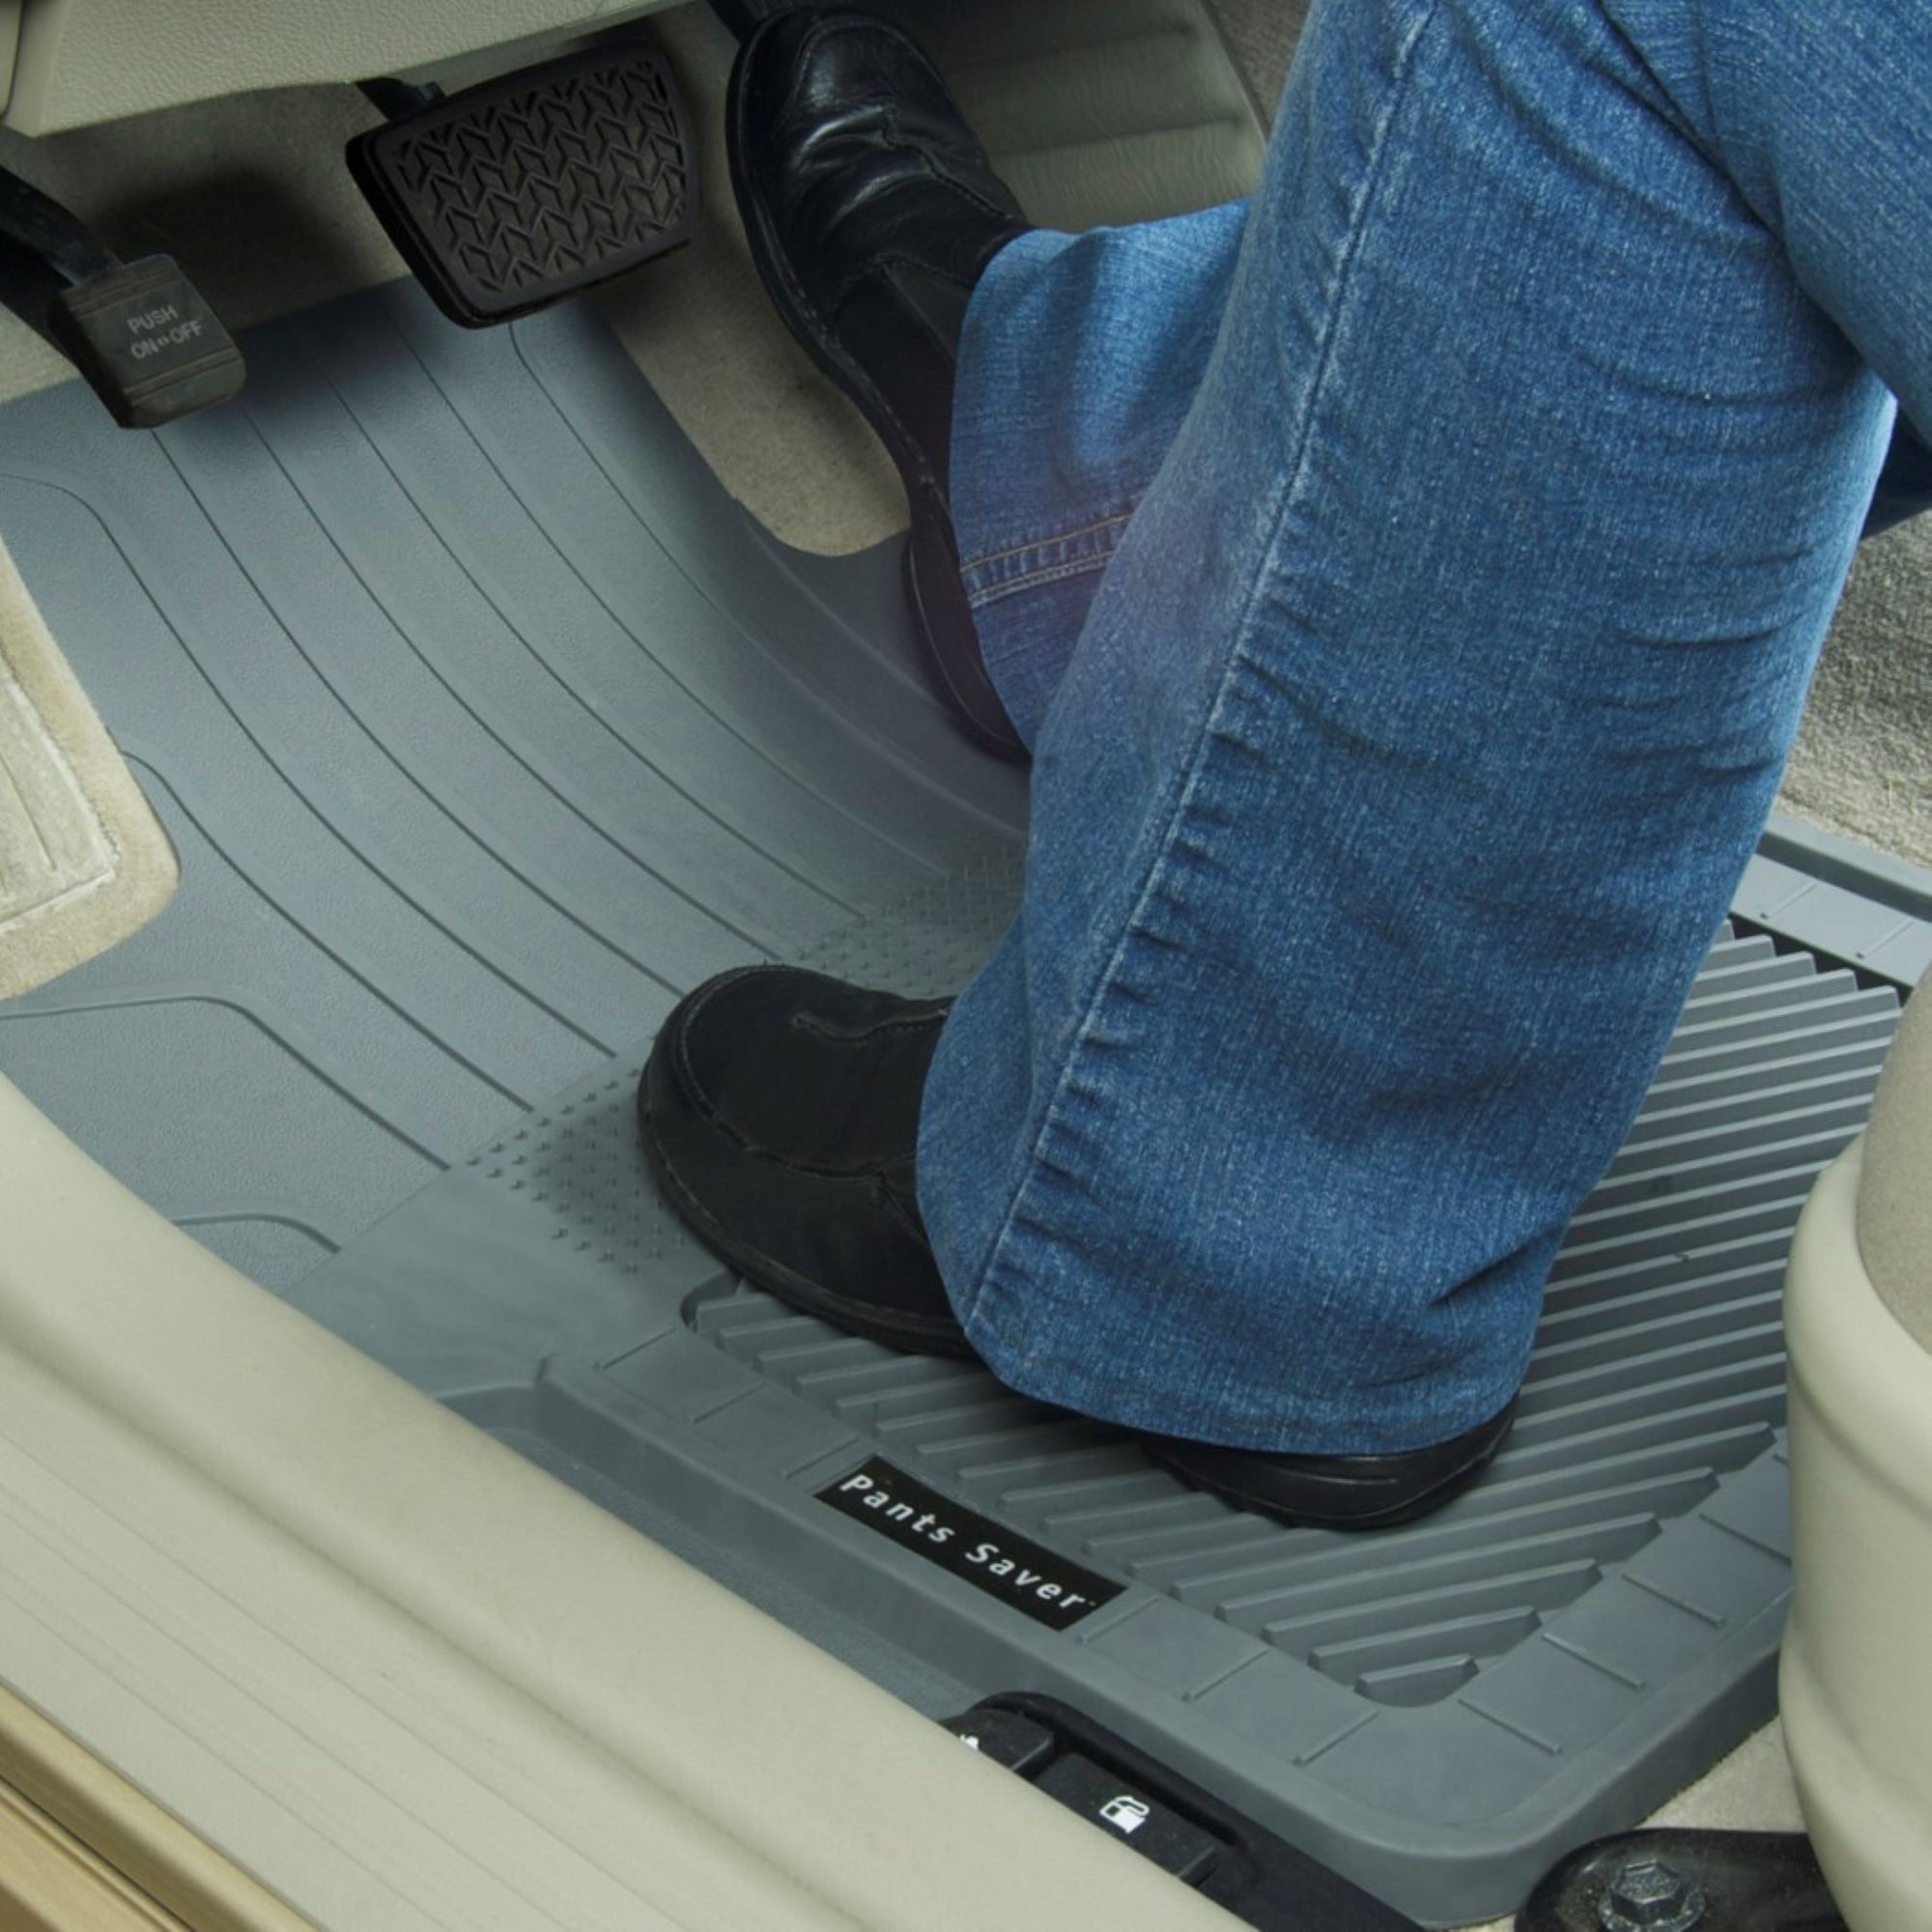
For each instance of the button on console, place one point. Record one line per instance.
(1004, 1736)
(1151, 1828)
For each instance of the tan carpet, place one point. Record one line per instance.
(1863, 762)
(83, 860)
(249, 195)
(778, 435)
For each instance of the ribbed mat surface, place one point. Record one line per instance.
(484, 723)
(1659, 1373)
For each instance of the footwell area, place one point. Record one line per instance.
(1436, 1710)
(485, 725)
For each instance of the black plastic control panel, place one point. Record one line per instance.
(1259, 1878)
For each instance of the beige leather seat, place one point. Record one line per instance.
(1857, 1685)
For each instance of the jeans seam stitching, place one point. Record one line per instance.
(1240, 656)
(1038, 580)
(1098, 527)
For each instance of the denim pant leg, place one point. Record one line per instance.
(1085, 352)
(1431, 698)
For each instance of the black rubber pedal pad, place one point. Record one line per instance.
(529, 188)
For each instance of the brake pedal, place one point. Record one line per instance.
(529, 188)
(148, 341)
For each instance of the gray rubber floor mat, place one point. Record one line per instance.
(1438, 1710)
(485, 724)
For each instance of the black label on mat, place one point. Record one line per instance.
(1035, 1582)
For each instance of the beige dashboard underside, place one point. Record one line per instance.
(83, 61)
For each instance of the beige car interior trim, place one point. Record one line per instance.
(89, 1821)
(1855, 1680)
(1895, 1200)
(404, 1679)
(50, 1882)
(84, 61)
(83, 860)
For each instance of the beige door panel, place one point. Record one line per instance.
(401, 1678)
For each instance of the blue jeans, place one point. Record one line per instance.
(1409, 583)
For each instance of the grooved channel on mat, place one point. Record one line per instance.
(484, 723)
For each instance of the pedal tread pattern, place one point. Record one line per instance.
(529, 188)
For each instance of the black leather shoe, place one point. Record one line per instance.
(872, 212)
(780, 1113)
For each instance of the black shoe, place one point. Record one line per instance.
(872, 212)
(1338, 1491)
(780, 1115)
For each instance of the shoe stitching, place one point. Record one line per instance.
(819, 30)
(876, 265)
(863, 1176)
(780, 263)
(875, 396)
(879, 268)
(908, 1218)
(824, 29)
(874, 1030)
(927, 1327)
(940, 169)
(915, 320)
(680, 1055)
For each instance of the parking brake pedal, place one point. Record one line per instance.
(530, 186)
(144, 336)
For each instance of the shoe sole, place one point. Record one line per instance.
(1424, 1502)
(957, 668)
